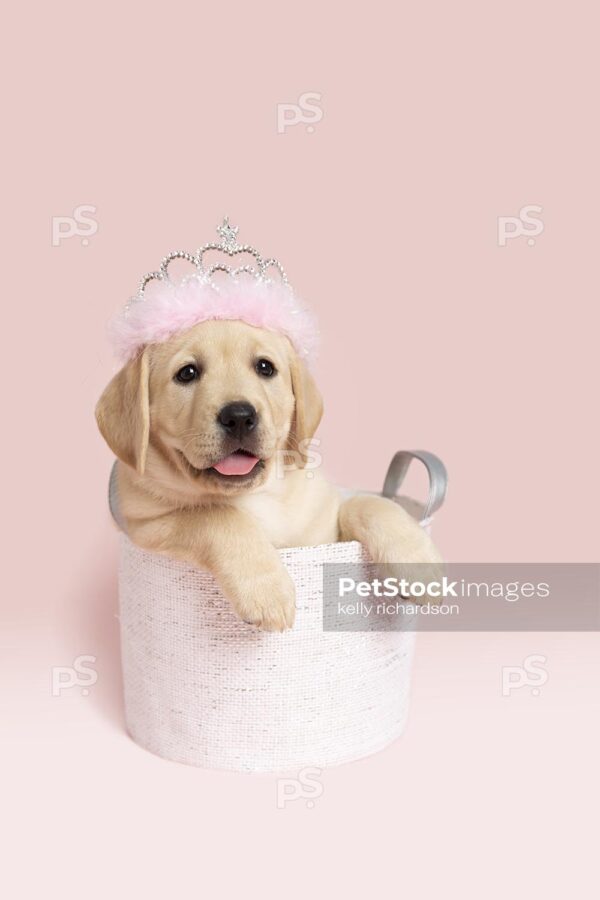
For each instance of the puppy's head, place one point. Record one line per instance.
(212, 407)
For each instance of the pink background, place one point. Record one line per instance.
(437, 119)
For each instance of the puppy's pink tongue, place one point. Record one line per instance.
(236, 464)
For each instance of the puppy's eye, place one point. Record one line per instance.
(187, 373)
(265, 367)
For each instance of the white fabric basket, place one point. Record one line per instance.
(203, 688)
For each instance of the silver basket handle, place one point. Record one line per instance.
(438, 477)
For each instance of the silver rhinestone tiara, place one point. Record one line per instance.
(228, 245)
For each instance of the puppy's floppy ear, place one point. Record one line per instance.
(308, 408)
(123, 413)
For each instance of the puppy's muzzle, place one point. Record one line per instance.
(238, 419)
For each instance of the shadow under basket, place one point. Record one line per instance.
(204, 688)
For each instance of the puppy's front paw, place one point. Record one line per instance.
(428, 577)
(268, 601)
(416, 561)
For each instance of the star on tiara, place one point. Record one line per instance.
(228, 245)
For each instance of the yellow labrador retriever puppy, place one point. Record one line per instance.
(200, 424)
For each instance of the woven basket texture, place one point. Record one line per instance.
(203, 688)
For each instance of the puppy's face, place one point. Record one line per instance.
(211, 407)
(222, 402)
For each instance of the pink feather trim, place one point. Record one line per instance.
(173, 308)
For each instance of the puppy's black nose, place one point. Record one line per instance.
(238, 419)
